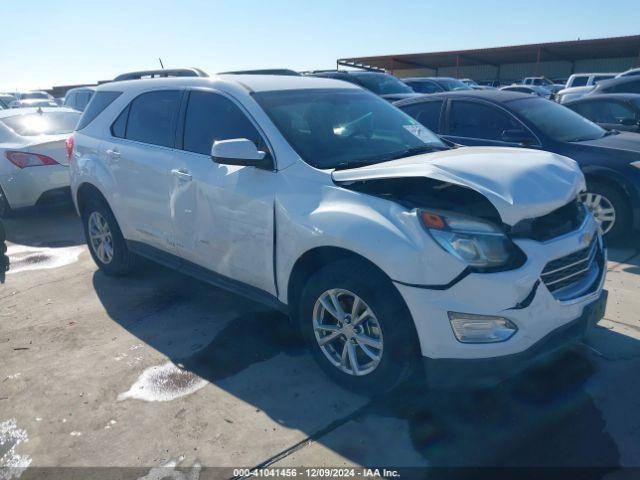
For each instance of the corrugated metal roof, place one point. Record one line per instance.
(571, 50)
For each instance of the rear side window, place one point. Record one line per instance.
(98, 103)
(153, 116)
(476, 120)
(211, 117)
(119, 127)
(47, 123)
(427, 113)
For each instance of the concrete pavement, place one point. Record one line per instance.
(158, 367)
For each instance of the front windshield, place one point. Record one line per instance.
(382, 83)
(343, 128)
(557, 122)
(451, 84)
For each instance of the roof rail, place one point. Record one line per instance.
(164, 73)
(266, 71)
(310, 72)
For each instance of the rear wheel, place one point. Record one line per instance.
(609, 207)
(104, 239)
(358, 328)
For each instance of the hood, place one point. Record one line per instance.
(394, 97)
(520, 183)
(622, 141)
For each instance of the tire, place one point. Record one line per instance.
(391, 323)
(602, 195)
(5, 208)
(120, 261)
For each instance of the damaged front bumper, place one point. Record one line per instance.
(456, 373)
(558, 289)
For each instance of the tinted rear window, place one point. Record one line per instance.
(48, 123)
(98, 103)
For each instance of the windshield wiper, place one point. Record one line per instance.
(415, 151)
(408, 152)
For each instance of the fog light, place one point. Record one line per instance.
(469, 328)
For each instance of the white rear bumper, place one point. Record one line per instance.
(23, 188)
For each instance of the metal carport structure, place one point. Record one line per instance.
(512, 62)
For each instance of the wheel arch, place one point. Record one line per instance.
(87, 191)
(611, 179)
(311, 261)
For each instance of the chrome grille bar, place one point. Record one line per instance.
(589, 255)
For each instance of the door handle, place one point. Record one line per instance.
(182, 174)
(113, 153)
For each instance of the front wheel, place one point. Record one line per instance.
(104, 239)
(358, 328)
(609, 208)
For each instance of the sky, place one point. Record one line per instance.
(63, 42)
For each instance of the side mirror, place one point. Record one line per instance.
(518, 136)
(239, 151)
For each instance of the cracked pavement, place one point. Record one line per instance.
(159, 369)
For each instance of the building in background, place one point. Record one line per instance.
(511, 64)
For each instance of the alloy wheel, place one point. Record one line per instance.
(100, 237)
(602, 209)
(347, 332)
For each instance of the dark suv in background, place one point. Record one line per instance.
(435, 84)
(610, 160)
(618, 111)
(387, 86)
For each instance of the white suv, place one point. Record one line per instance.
(384, 244)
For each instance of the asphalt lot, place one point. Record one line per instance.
(159, 369)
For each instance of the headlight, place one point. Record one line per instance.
(636, 164)
(477, 243)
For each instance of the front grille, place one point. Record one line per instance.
(576, 274)
(562, 220)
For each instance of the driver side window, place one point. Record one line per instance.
(210, 117)
(477, 120)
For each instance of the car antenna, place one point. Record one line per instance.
(39, 110)
(161, 65)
